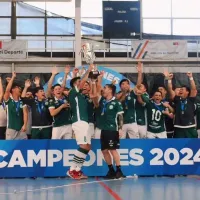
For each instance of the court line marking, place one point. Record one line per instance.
(62, 186)
(109, 190)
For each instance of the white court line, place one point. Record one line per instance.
(61, 186)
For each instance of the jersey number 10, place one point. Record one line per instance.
(156, 115)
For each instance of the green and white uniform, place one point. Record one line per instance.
(15, 119)
(155, 119)
(99, 123)
(130, 125)
(79, 108)
(141, 117)
(184, 124)
(198, 117)
(90, 116)
(62, 123)
(110, 111)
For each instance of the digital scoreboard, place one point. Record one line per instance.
(121, 19)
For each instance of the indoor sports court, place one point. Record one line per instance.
(99, 99)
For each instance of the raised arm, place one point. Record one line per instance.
(193, 89)
(85, 76)
(139, 69)
(37, 81)
(50, 82)
(9, 86)
(27, 85)
(67, 71)
(169, 77)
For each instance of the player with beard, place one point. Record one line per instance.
(156, 110)
(90, 105)
(17, 114)
(184, 124)
(41, 119)
(112, 115)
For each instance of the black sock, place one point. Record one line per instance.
(111, 167)
(118, 168)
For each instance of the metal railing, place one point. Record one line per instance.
(67, 45)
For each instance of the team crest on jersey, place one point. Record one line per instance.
(46, 103)
(51, 100)
(113, 103)
(111, 107)
(129, 98)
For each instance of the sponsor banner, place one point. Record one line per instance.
(15, 49)
(52, 158)
(109, 76)
(159, 49)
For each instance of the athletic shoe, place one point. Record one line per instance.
(120, 175)
(73, 174)
(81, 175)
(110, 175)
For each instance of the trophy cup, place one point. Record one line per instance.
(89, 56)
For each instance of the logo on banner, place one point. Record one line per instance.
(109, 76)
(13, 49)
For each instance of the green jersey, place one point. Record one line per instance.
(141, 112)
(15, 115)
(129, 108)
(78, 105)
(64, 116)
(155, 117)
(99, 118)
(198, 114)
(90, 106)
(109, 111)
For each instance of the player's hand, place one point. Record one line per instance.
(65, 105)
(8, 79)
(54, 70)
(189, 74)
(120, 133)
(91, 67)
(67, 69)
(23, 129)
(170, 76)
(165, 104)
(36, 81)
(75, 72)
(14, 74)
(27, 83)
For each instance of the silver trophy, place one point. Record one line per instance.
(89, 57)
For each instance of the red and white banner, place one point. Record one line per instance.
(15, 49)
(159, 49)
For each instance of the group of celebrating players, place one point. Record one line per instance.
(89, 110)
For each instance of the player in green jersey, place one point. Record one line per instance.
(128, 99)
(60, 111)
(112, 113)
(17, 114)
(156, 110)
(80, 126)
(185, 126)
(90, 105)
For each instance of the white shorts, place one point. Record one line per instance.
(91, 130)
(157, 135)
(198, 131)
(81, 132)
(142, 131)
(131, 129)
(97, 133)
(62, 132)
